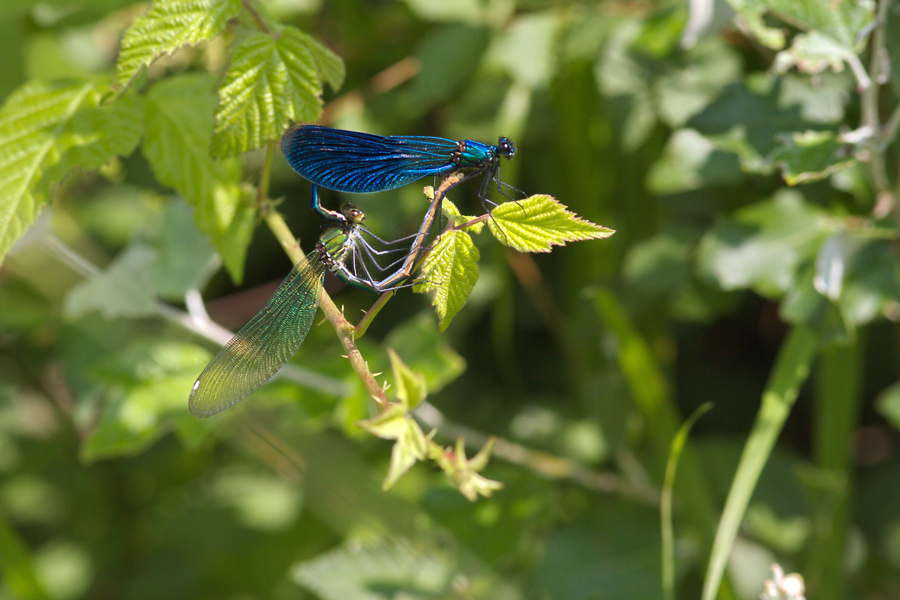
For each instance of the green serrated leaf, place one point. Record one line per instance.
(538, 223)
(167, 26)
(388, 424)
(409, 448)
(272, 80)
(450, 270)
(179, 121)
(125, 289)
(45, 131)
(452, 214)
(330, 66)
(411, 387)
(811, 155)
(97, 133)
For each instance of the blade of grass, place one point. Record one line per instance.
(653, 398)
(790, 372)
(665, 508)
(839, 379)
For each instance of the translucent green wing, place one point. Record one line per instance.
(264, 344)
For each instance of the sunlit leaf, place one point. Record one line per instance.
(273, 80)
(813, 53)
(538, 223)
(364, 573)
(440, 10)
(840, 21)
(450, 271)
(46, 130)
(167, 26)
(328, 64)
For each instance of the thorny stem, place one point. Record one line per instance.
(345, 331)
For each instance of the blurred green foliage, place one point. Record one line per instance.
(747, 159)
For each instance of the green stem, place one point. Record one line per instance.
(870, 97)
(262, 191)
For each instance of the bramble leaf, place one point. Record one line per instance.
(45, 131)
(538, 223)
(411, 388)
(410, 445)
(450, 270)
(167, 26)
(329, 65)
(763, 246)
(840, 22)
(272, 80)
(179, 121)
(811, 155)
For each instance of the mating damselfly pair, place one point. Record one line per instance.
(344, 161)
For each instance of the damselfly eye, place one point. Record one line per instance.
(505, 147)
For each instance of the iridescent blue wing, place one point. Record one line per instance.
(264, 344)
(349, 161)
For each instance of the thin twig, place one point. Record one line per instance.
(542, 463)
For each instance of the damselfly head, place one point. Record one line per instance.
(505, 147)
(353, 214)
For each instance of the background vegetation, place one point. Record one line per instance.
(745, 153)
